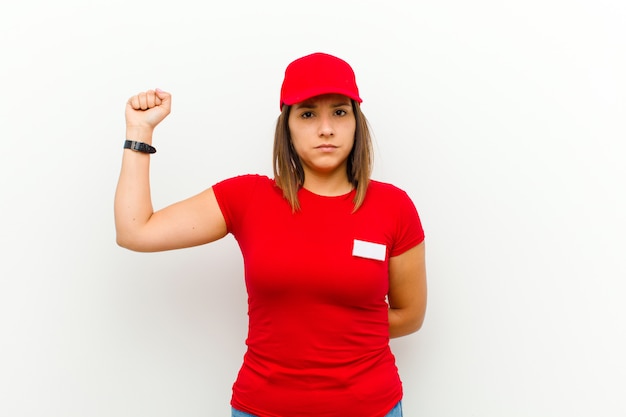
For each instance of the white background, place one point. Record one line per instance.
(504, 121)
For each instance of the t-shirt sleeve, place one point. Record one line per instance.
(234, 198)
(409, 231)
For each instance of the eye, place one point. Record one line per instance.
(306, 115)
(340, 112)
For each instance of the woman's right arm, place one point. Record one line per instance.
(191, 222)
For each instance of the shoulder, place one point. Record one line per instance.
(237, 196)
(246, 179)
(244, 182)
(242, 187)
(394, 204)
(388, 196)
(385, 189)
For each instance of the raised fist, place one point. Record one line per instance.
(147, 109)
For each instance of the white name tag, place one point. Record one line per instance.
(369, 250)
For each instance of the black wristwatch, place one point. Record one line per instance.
(139, 146)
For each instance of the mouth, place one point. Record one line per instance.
(326, 147)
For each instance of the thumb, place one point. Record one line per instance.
(163, 98)
(163, 95)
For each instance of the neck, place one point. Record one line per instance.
(330, 186)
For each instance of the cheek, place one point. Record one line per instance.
(301, 136)
(346, 132)
(297, 143)
(349, 128)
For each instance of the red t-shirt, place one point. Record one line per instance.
(318, 338)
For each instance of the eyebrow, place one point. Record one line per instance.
(310, 104)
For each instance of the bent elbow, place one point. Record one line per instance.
(413, 326)
(124, 240)
(121, 242)
(417, 325)
(404, 324)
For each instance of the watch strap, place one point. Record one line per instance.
(139, 146)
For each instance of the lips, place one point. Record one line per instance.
(326, 147)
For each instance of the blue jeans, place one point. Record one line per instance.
(395, 412)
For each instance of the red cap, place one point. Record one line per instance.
(317, 74)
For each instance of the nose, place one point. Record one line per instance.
(326, 126)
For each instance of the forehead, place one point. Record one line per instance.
(325, 100)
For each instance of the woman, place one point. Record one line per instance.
(334, 261)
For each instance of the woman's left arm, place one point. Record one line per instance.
(407, 291)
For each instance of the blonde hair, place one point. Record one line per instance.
(288, 171)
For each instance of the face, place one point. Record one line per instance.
(322, 131)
